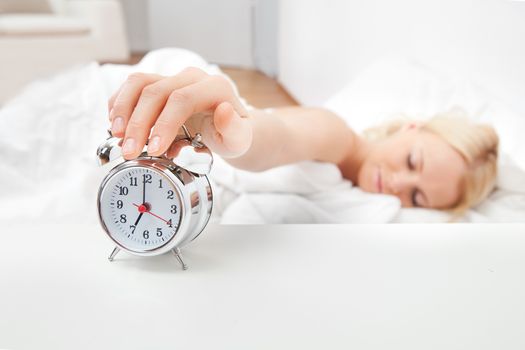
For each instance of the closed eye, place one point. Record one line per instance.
(413, 196)
(410, 164)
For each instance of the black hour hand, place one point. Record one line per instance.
(138, 219)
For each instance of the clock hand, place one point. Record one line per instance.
(142, 209)
(143, 189)
(138, 219)
(155, 215)
(145, 209)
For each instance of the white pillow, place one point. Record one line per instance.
(396, 86)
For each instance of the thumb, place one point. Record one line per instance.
(233, 133)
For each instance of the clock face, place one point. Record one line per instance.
(141, 208)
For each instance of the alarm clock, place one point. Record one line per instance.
(153, 205)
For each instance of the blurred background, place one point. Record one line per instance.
(279, 52)
(366, 60)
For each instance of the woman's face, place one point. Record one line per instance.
(418, 167)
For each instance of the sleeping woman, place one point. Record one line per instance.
(445, 163)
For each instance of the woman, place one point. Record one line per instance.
(446, 163)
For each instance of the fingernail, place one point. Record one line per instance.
(118, 125)
(154, 144)
(129, 146)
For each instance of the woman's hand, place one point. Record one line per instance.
(205, 103)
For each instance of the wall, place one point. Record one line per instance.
(323, 44)
(220, 31)
(265, 29)
(239, 33)
(137, 26)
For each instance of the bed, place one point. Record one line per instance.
(48, 135)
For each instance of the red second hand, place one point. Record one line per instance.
(155, 215)
(149, 212)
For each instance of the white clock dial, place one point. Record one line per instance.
(141, 208)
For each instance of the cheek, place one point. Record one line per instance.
(365, 177)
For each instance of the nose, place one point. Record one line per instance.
(399, 182)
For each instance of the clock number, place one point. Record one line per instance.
(133, 181)
(119, 204)
(173, 209)
(160, 183)
(146, 178)
(132, 227)
(170, 194)
(123, 191)
(159, 232)
(169, 223)
(145, 234)
(123, 218)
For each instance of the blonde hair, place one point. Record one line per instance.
(476, 143)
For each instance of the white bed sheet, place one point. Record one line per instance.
(49, 134)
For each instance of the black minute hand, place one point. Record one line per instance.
(144, 189)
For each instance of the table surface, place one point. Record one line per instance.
(449, 286)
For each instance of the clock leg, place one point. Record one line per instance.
(176, 252)
(113, 253)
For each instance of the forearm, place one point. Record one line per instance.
(293, 134)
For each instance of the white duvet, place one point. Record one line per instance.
(49, 134)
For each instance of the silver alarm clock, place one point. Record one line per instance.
(154, 205)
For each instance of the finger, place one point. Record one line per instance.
(126, 100)
(233, 133)
(151, 102)
(111, 102)
(225, 133)
(202, 96)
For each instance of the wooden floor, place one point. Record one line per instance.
(258, 89)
